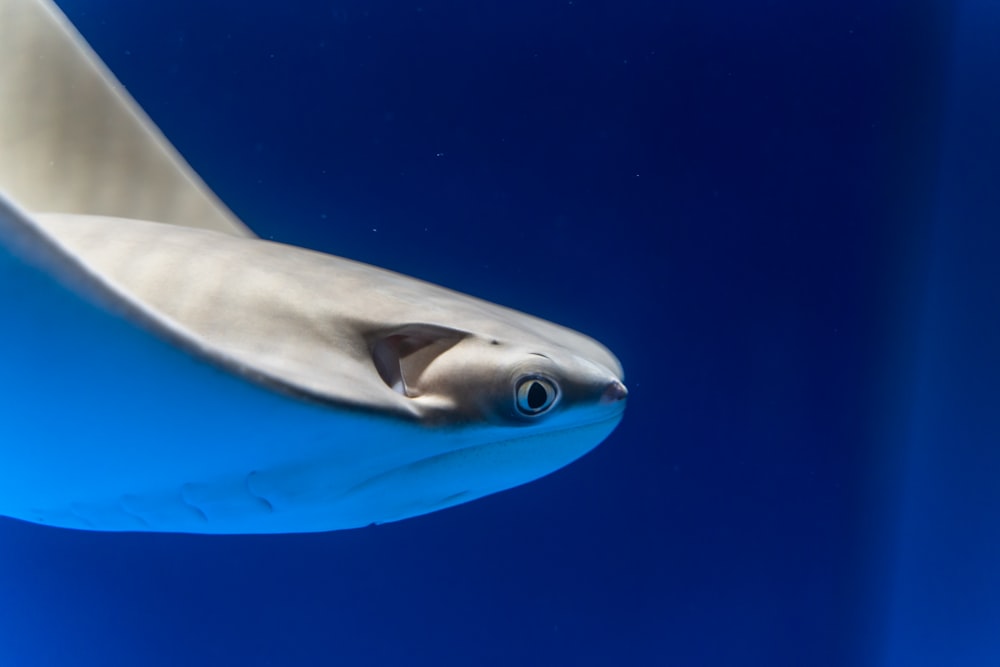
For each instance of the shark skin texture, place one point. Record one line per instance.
(165, 370)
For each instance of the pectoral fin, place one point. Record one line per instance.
(72, 140)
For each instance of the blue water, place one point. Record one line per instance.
(783, 217)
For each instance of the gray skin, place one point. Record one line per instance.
(328, 328)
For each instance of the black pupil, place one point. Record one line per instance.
(537, 396)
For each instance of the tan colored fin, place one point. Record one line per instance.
(72, 140)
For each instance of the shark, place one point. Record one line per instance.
(164, 369)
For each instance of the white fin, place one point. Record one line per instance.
(72, 140)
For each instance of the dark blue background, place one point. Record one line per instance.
(782, 216)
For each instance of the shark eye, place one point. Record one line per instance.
(535, 394)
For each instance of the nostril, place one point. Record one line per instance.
(614, 392)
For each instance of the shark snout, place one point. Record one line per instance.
(614, 392)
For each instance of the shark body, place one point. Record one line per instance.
(163, 369)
